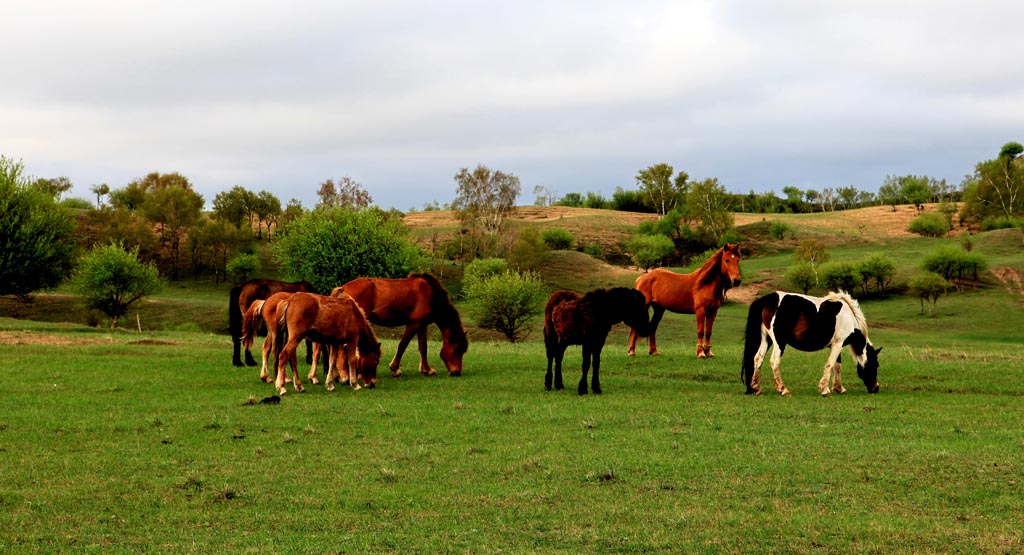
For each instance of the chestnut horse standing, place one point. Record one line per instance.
(701, 292)
(337, 322)
(414, 302)
(242, 296)
(263, 310)
(573, 320)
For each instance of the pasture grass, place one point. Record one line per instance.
(127, 442)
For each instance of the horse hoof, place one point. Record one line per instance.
(396, 372)
(282, 391)
(454, 374)
(429, 372)
(330, 387)
(784, 392)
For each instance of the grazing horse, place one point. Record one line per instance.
(242, 296)
(808, 324)
(266, 311)
(414, 302)
(573, 320)
(701, 292)
(337, 322)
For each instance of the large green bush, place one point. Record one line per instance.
(557, 239)
(955, 265)
(929, 224)
(529, 250)
(507, 302)
(878, 268)
(837, 276)
(110, 279)
(802, 276)
(649, 250)
(331, 246)
(36, 247)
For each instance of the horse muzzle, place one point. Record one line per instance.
(736, 282)
(874, 389)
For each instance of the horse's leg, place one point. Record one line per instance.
(268, 344)
(314, 359)
(633, 336)
(837, 381)
(582, 387)
(709, 323)
(776, 361)
(294, 362)
(283, 358)
(351, 360)
(421, 337)
(236, 351)
(396, 361)
(249, 361)
(332, 367)
(755, 380)
(595, 380)
(310, 349)
(656, 315)
(559, 355)
(826, 377)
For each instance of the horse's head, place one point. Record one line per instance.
(366, 365)
(454, 345)
(869, 370)
(730, 264)
(634, 312)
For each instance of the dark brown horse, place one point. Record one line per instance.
(573, 320)
(701, 292)
(242, 296)
(414, 302)
(337, 322)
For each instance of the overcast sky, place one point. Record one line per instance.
(573, 96)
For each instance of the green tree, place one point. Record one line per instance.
(891, 192)
(268, 211)
(485, 198)
(243, 265)
(811, 250)
(917, 190)
(571, 199)
(171, 204)
(55, 187)
(837, 276)
(36, 235)
(928, 287)
(507, 302)
(659, 190)
(100, 190)
(955, 265)
(997, 186)
(236, 207)
(795, 199)
(292, 211)
(331, 246)
(557, 239)
(707, 202)
(110, 279)
(347, 193)
(529, 250)
(877, 267)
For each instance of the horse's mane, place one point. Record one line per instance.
(707, 275)
(843, 296)
(367, 338)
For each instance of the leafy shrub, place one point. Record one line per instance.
(110, 279)
(928, 286)
(529, 250)
(557, 239)
(649, 250)
(1001, 222)
(811, 250)
(594, 250)
(243, 265)
(779, 230)
(730, 236)
(507, 302)
(929, 224)
(955, 265)
(628, 201)
(482, 268)
(877, 267)
(837, 276)
(594, 200)
(802, 276)
(74, 203)
(331, 246)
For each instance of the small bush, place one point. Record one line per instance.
(109, 279)
(955, 265)
(649, 250)
(482, 268)
(529, 250)
(507, 303)
(594, 250)
(1001, 222)
(779, 230)
(557, 239)
(802, 276)
(928, 286)
(811, 250)
(929, 224)
(840, 276)
(879, 268)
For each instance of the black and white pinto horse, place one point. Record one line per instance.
(808, 324)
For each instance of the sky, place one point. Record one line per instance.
(574, 96)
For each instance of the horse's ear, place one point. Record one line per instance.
(878, 350)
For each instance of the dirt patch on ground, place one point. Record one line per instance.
(36, 338)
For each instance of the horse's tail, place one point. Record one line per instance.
(752, 336)
(281, 328)
(235, 312)
(249, 323)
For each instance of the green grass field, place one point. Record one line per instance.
(125, 441)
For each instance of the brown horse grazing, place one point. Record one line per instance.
(414, 302)
(242, 296)
(701, 292)
(334, 321)
(265, 311)
(573, 320)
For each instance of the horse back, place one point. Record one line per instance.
(671, 291)
(391, 302)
